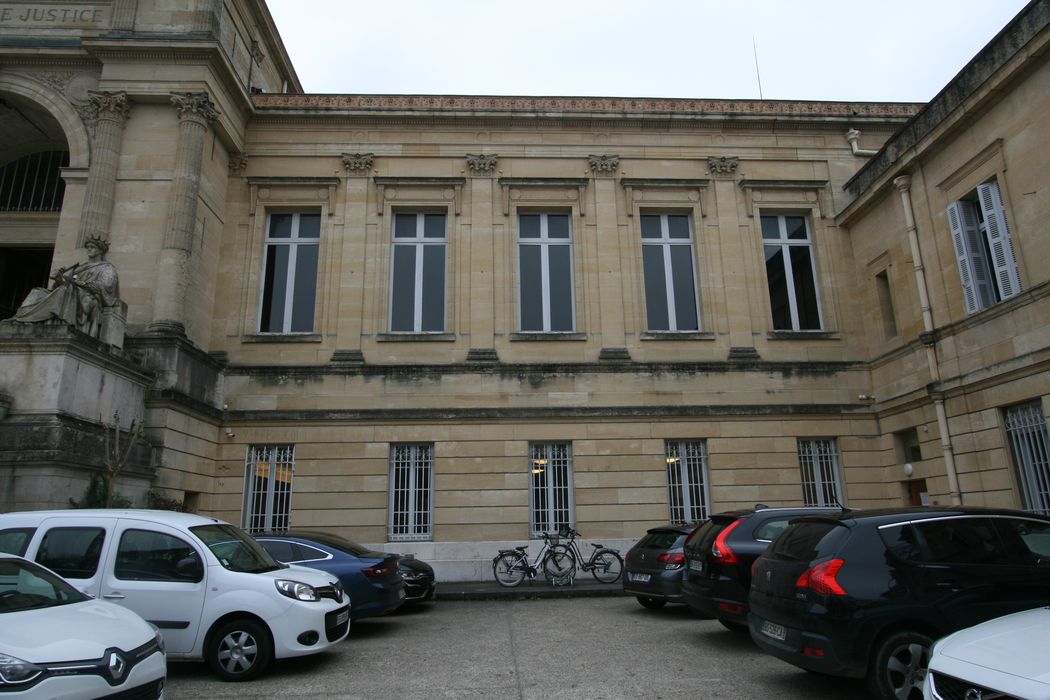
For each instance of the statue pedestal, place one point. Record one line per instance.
(63, 386)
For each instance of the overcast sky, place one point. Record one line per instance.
(890, 50)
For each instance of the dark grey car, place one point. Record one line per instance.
(653, 567)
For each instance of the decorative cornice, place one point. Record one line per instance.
(723, 166)
(604, 165)
(592, 105)
(358, 162)
(196, 105)
(483, 163)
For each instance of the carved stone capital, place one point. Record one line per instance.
(238, 162)
(604, 165)
(484, 163)
(358, 162)
(723, 166)
(110, 105)
(195, 105)
(902, 183)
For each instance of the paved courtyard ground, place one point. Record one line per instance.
(606, 647)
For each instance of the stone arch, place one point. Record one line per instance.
(57, 106)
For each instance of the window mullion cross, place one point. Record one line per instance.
(417, 301)
(545, 273)
(665, 235)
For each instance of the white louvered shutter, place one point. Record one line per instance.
(973, 271)
(999, 241)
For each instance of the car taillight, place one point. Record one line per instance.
(722, 551)
(671, 561)
(821, 578)
(377, 570)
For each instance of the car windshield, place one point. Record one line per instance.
(235, 550)
(26, 586)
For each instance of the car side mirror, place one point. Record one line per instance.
(189, 568)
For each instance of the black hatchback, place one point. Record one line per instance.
(864, 594)
(653, 566)
(719, 554)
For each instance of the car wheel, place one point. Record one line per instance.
(651, 603)
(735, 627)
(898, 666)
(239, 650)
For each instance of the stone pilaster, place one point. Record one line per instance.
(196, 113)
(110, 112)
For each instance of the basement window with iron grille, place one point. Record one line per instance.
(268, 471)
(411, 492)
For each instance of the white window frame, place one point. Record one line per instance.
(545, 242)
(665, 242)
(819, 463)
(268, 474)
(293, 243)
(984, 248)
(688, 489)
(411, 508)
(419, 242)
(786, 244)
(1030, 447)
(551, 503)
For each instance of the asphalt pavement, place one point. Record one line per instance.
(476, 641)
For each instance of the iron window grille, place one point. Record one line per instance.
(818, 460)
(1026, 428)
(411, 492)
(670, 279)
(417, 293)
(550, 495)
(34, 182)
(268, 471)
(289, 290)
(687, 482)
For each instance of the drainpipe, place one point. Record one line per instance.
(853, 136)
(929, 337)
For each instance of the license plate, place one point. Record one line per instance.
(696, 565)
(638, 578)
(772, 629)
(342, 617)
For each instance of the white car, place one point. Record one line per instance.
(55, 642)
(210, 589)
(1003, 658)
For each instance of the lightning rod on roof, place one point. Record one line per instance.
(758, 74)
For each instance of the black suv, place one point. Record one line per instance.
(863, 594)
(719, 554)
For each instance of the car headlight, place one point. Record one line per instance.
(297, 591)
(157, 636)
(14, 671)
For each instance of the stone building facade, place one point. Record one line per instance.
(444, 324)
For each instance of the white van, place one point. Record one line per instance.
(213, 592)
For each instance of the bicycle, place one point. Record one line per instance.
(605, 563)
(511, 566)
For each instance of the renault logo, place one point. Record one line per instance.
(116, 666)
(973, 694)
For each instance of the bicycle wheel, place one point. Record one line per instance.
(607, 566)
(508, 569)
(559, 563)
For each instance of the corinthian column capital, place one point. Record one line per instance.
(110, 105)
(195, 105)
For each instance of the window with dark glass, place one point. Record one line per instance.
(670, 281)
(545, 273)
(290, 274)
(417, 294)
(790, 272)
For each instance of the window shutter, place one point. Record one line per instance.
(999, 241)
(965, 237)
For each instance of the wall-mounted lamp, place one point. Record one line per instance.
(908, 469)
(230, 433)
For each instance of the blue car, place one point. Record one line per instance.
(372, 579)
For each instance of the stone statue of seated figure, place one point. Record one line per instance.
(84, 295)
